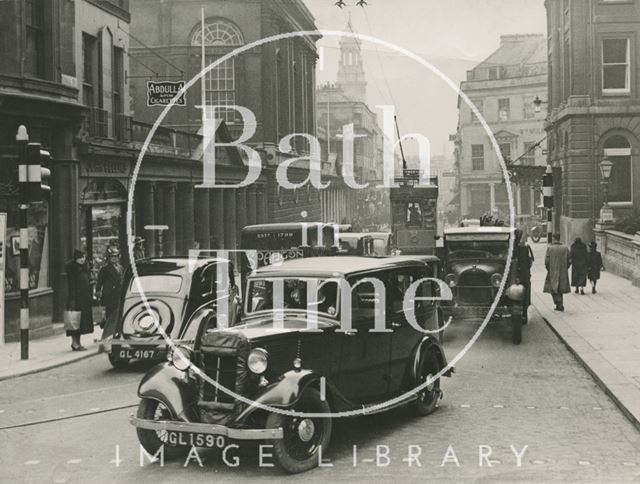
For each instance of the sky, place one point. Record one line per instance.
(451, 35)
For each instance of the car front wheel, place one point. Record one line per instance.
(118, 363)
(428, 396)
(153, 440)
(303, 437)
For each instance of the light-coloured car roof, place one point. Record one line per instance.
(478, 230)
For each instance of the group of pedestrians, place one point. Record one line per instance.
(108, 289)
(584, 263)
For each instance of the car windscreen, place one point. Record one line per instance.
(297, 294)
(477, 249)
(166, 283)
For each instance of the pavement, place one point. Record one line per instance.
(45, 353)
(602, 331)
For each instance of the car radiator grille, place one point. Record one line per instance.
(474, 288)
(222, 370)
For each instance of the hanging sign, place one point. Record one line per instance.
(3, 259)
(160, 93)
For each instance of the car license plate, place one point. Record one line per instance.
(208, 441)
(138, 353)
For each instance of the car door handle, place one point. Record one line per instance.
(396, 324)
(350, 333)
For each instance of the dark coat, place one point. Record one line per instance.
(594, 264)
(557, 262)
(110, 285)
(578, 264)
(79, 296)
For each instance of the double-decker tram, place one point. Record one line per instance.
(414, 214)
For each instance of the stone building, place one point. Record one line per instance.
(594, 109)
(275, 81)
(503, 88)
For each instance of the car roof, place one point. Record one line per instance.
(479, 230)
(289, 226)
(166, 264)
(337, 265)
(354, 235)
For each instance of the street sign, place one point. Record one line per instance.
(160, 93)
(3, 258)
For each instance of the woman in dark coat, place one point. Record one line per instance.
(579, 265)
(594, 263)
(79, 297)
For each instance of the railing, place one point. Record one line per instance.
(99, 122)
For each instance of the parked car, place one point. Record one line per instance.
(290, 368)
(369, 244)
(475, 263)
(176, 293)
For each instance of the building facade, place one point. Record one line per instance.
(502, 88)
(275, 81)
(594, 110)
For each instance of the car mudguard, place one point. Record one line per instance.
(172, 388)
(285, 392)
(428, 343)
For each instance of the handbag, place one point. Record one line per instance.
(72, 320)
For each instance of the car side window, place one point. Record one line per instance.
(365, 300)
(400, 281)
(208, 282)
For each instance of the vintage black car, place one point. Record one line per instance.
(308, 365)
(474, 264)
(178, 292)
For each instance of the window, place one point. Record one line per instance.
(89, 70)
(505, 149)
(504, 109)
(220, 82)
(529, 155)
(494, 73)
(477, 157)
(615, 66)
(618, 151)
(118, 80)
(479, 104)
(35, 48)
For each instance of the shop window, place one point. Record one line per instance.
(618, 151)
(38, 233)
(615, 66)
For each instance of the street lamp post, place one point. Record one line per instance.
(606, 212)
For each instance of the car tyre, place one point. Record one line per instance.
(298, 450)
(118, 363)
(427, 401)
(517, 321)
(152, 440)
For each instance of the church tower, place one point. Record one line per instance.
(350, 68)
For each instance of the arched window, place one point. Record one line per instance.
(219, 82)
(618, 150)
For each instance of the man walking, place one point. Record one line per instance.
(110, 287)
(557, 261)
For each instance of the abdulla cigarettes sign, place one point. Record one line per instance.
(160, 93)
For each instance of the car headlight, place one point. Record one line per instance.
(451, 280)
(496, 279)
(258, 361)
(180, 357)
(515, 292)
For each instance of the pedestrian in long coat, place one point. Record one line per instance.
(109, 287)
(594, 263)
(579, 265)
(79, 297)
(557, 260)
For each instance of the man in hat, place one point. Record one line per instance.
(109, 286)
(557, 261)
(138, 248)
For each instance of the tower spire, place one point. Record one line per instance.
(351, 77)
